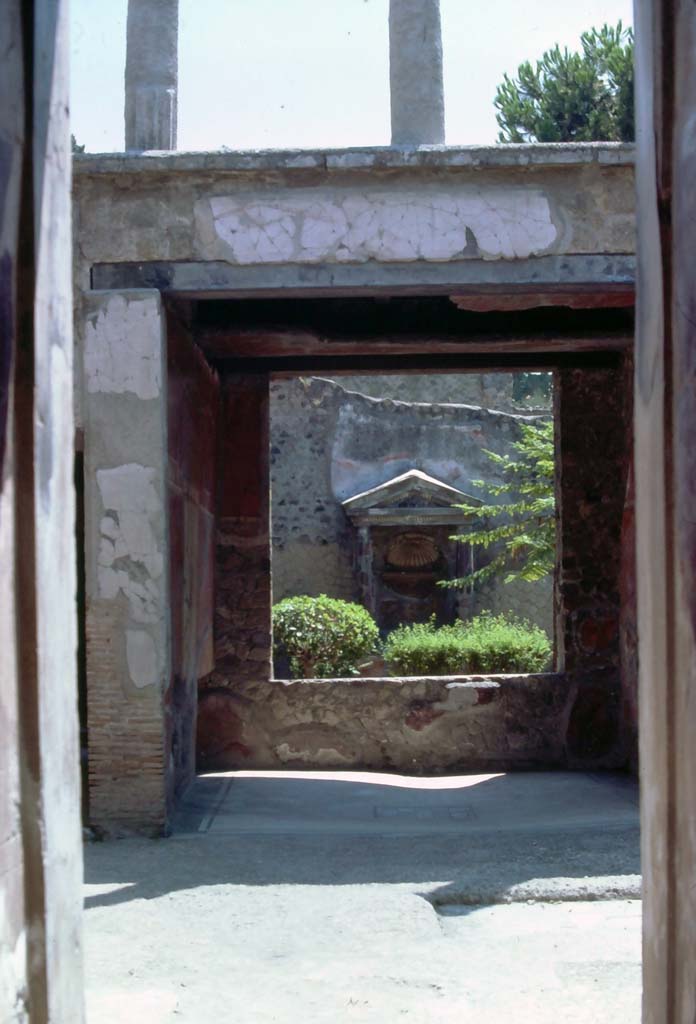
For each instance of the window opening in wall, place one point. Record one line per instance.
(384, 498)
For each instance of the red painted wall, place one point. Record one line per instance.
(193, 412)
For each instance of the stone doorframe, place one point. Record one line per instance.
(129, 631)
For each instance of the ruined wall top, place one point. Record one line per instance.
(366, 159)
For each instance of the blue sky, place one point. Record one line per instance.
(287, 73)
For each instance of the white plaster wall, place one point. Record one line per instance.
(314, 225)
(122, 348)
(130, 558)
(125, 464)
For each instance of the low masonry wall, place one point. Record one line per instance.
(417, 725)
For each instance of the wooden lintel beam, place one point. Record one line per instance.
(496, 302)
(273, 344)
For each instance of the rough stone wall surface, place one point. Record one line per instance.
(420, 726)
(593, 440)
(193, 404)
(328, 444)
(355, 206)
(487, 390)
(311, 539)
(533, 601)
(127, 564)
(243, 570)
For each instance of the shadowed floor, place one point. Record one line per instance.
(362, 897)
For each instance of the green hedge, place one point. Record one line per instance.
(487, 643)
(323, 637)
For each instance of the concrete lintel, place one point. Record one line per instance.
(216, 278)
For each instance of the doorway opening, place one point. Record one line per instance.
(302, 355)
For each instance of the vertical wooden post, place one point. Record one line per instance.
(40, 840)
(665, 423)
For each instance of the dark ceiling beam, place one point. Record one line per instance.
(259, 344)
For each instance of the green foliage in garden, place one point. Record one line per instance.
(322, 636)
(521, 534)
(572, 97)
(487, 643)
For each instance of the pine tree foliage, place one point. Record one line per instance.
(520, 534)
(572, 97)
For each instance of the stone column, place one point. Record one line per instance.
(415, 73)
(152, 74)
(126, 561)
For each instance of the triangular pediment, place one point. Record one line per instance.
(410, 489)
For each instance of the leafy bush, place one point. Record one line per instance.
(322, 636)
(425, 650)
(499, 644)
(486, 643)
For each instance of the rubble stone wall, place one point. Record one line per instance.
(423, 726)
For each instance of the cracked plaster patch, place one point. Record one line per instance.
(123, 348)
(311, 227)
(130, 561)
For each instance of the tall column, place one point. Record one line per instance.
(40, 837)
(415, 73)
(152, 74)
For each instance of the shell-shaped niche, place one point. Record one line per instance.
(412, 551)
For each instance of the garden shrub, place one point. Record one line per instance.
(487, 643)
(323, 637)
(425, 650)
(496, 643)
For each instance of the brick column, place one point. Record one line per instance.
(127, 578)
